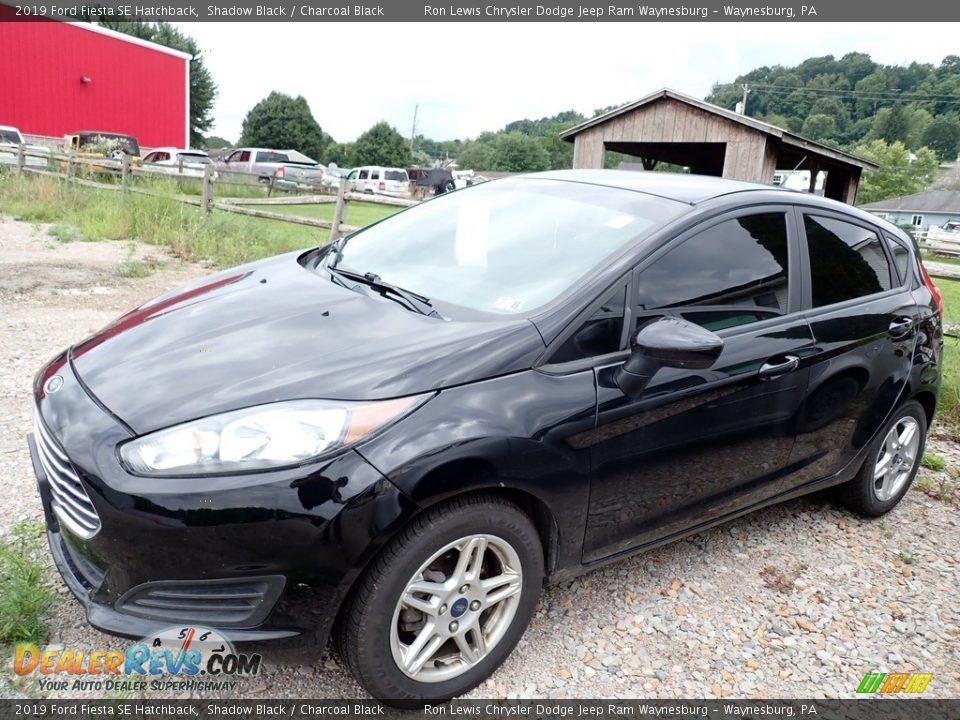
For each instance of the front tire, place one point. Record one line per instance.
(444, 603)
(891, 464)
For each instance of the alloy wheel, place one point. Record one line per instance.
(456, 608)
(896, 459)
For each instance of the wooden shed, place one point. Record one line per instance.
(669, 126)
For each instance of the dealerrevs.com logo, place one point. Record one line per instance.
(175, 659)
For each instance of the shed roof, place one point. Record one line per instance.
(785, 136)
(935, 201)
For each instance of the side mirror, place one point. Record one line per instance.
(668, 342)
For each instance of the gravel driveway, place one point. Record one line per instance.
(795, 601)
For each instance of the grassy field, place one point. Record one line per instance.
(223, 239)
(949, 405)
(359, 214)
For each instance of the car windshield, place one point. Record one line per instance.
(504, 247)
(9, 136)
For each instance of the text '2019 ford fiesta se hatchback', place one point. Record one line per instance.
(398, 438)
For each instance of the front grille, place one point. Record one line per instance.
(69, 500)
(221, 603)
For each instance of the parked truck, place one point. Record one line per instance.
(288, 168)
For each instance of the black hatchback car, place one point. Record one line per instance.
(398, 438)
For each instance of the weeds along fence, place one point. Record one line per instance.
(211, 188)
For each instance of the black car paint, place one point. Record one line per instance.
(598, 472)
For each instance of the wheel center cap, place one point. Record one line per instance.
(459, 607)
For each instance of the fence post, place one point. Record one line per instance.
(21, 156)
(339, 211)
(207, 197)
(71, 168)
(125, 172)
(180, 165)
(270, 185)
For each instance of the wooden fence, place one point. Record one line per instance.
(122, 175)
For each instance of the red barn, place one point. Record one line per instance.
(59, 77)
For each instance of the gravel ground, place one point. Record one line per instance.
(795, 601)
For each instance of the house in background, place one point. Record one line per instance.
(920, 211)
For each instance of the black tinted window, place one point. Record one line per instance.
(846, 261)
(395, 175)
(598, 335)
(737, 268)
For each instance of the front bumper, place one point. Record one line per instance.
(257, 557)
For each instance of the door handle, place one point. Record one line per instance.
(769, 370)
(900, 326)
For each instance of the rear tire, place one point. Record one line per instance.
(891, 463)
(463, 580)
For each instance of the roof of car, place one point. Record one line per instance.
(689, 189)
(172, 149)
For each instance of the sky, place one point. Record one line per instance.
(470, 77)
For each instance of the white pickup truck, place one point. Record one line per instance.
(288, 168)
(948, 232)
(10, 141)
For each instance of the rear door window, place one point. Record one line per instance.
(847, 260)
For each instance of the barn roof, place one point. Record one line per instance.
(90, 27)
(931, 201)
(785, 136)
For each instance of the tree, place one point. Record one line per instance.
(215, 142)
(943, 137)
(203, 90)
(381, 145)
(337, 153)
(516, 152)
(898, 174)
(475, 156)
(891, 125)
(820, 127)
(281, 121)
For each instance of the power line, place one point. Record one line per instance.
(855, 94)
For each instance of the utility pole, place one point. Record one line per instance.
(413, 130)
(743, 103)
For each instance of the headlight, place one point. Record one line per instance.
(262, 437)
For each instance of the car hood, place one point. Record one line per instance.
(275, 330)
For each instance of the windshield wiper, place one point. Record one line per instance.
(416, 302)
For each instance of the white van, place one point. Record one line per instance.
(380, 180)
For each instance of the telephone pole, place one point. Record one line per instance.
(413, 130)
(743, 103)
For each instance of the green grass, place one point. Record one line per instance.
(950, 289)
(24, 597)
(948, 407)
(62, 232)
(932, 461)
(359, 214)
(936, 257)
(223, 239)
(907, 557)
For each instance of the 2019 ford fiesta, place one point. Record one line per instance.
(398, 438)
